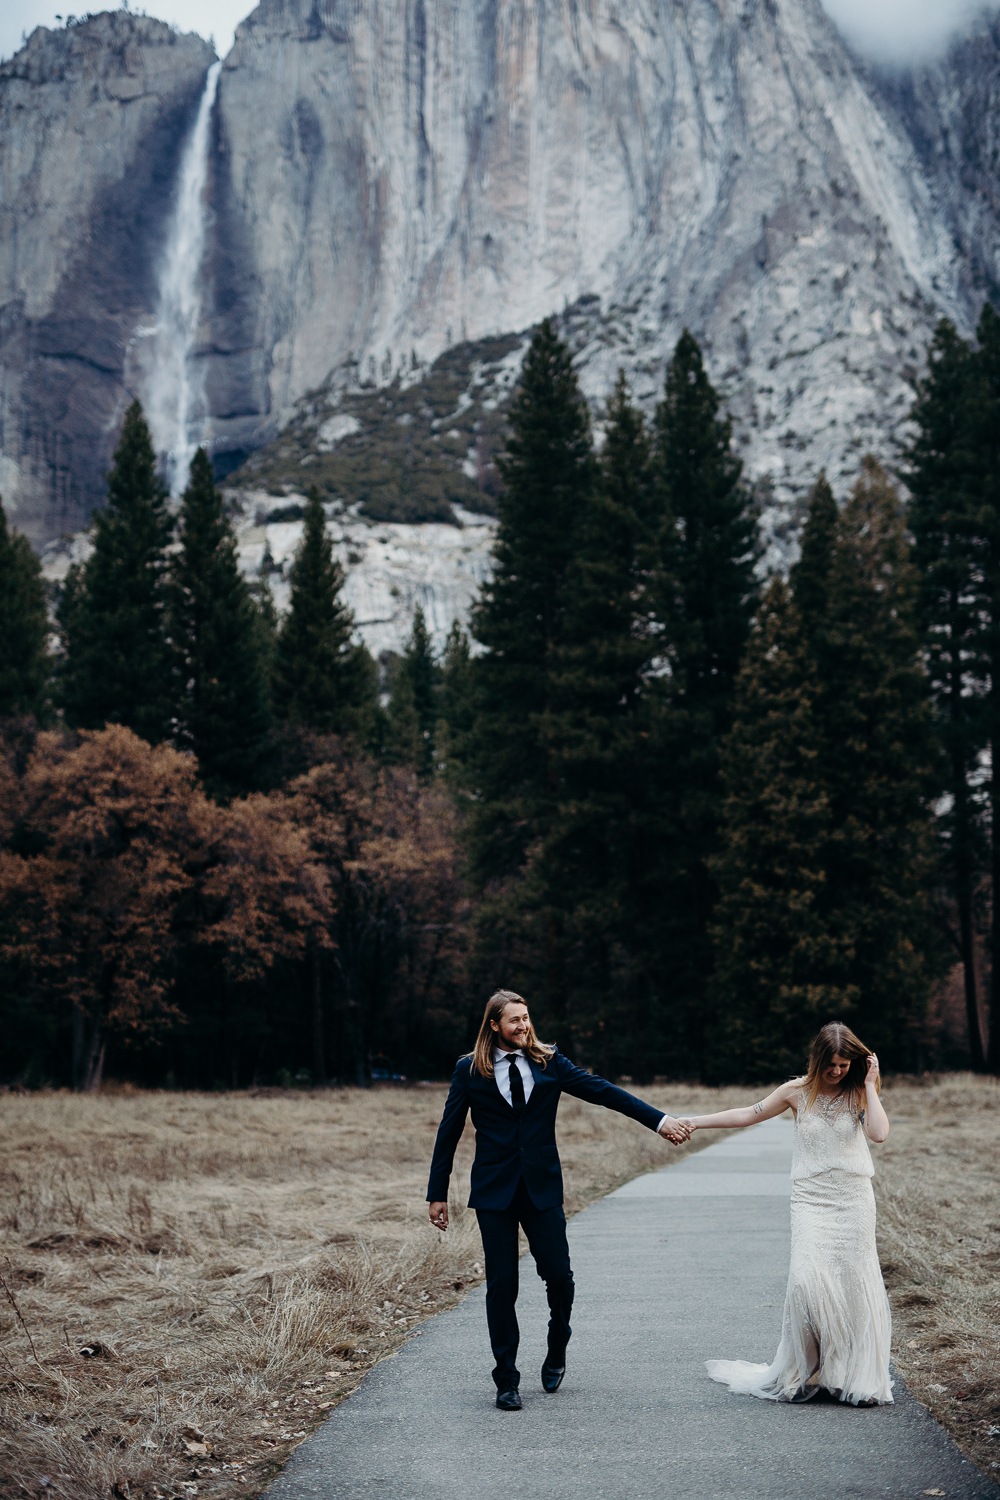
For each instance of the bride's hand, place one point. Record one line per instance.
(872, 1075)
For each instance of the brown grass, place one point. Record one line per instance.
(938, 1189)
(202, 1276)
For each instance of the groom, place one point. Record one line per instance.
(512, 1082)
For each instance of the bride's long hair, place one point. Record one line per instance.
(482, 1053)
(833, 1039)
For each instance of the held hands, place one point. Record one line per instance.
(872, 1075)
(675, 1131)
(439, 1215)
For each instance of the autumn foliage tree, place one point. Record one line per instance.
(394, 965)
(141, 919)
(102, 833)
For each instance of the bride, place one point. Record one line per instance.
(836, 1324)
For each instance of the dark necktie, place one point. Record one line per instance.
(516, 1085)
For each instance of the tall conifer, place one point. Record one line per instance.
(322, 679)
(455, 698)
(704, 597)
(827, 845)
(809, 576)
(24, 626)
(117, 666)
(781, 970)
(548, 473)
(943, 519)
(222, 712)
(984, 456)
(594, 867)
(708, 542)
(413, 704)
(879, 757)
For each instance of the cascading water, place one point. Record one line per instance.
(174, 393)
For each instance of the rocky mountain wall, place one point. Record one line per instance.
(951, 111)
(390, 178)
(91, 123)
(403, 174)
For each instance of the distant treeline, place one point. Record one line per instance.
(690, 815)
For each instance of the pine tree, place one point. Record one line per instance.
(704, 595)
(548, 473)
(879, 760)
(942, 520)
(322, 679)
(809, 577)
(266, 626)
(827, 845)
(117, 666)
(781, 967)
(24, 627)
(593, 867)
(708, 543)
(984, 486)
(455, 701)
(413, 701)
(781, 971)
(216, 630)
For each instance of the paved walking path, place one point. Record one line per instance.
(682, 1265)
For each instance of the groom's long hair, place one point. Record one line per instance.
(482, 1052)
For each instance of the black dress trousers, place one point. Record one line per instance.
(546, 1232)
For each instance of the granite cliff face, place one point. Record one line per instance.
(951, 112)
(402, 174)
(91, 122)
(388, 178)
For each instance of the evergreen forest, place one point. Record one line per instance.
(689, 809)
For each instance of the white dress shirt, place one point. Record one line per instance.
(501, 1072)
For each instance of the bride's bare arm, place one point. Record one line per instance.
(730, 1119)
(873, 1116)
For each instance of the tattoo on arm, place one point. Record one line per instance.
(758, 1108)
(861, 1118)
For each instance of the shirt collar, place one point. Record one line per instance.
(501, 1052)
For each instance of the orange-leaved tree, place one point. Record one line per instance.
(91, 878)
(260, 899)
(389, 845)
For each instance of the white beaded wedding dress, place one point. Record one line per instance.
(836, 1324)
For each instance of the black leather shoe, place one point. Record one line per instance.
(552, 1378)
(509, 1400)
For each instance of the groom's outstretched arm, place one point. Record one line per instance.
(449, 1134)
(584, 1085)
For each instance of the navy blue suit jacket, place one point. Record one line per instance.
(511, 1145)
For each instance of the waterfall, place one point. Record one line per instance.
(174, 392)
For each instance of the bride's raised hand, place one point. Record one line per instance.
(872, 1075)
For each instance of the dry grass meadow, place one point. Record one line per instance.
(192, 1281)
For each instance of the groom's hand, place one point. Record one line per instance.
(439, 1215)
(676, 1131)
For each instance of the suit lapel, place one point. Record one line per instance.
(497, 1095)
(542, 1081)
